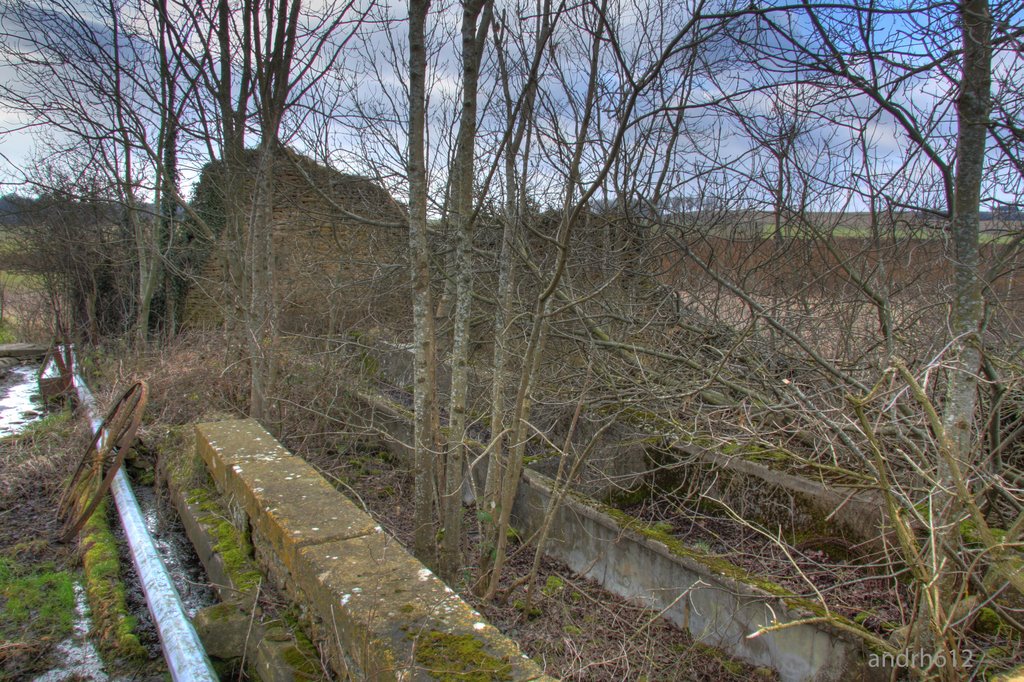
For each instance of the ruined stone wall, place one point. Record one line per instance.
(333, 271)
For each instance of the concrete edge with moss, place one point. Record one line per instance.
(719, 603)
(376, 611)
(234, 631)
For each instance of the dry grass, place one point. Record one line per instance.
(35, 465)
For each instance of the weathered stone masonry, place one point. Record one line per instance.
(376, 610)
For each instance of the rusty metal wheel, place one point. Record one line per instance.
(102, 459)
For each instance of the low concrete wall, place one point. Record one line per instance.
(795, 503)
(711, 598)
(230, 630)
(377, 611)
(695, 593)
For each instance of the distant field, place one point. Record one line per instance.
(13, 281)
(858, 226)
(767, 231)
(25, 309)
(1002, 236)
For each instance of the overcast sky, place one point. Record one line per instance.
(368, 78)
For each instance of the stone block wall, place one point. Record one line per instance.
(333, 271)
(377, 611)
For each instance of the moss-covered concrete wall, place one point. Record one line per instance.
(378, 612)
(719, 603)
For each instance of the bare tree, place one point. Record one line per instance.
(88, 71)
(426, 438)
(476, 21)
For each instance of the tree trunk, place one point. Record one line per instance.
(473, 38)
(964, 358)
(426, 430)
(261, 310)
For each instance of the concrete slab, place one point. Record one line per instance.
(707, 596)
(362, 591)
(227, 443)
(378, 611)
(285, 499)
(23, 351)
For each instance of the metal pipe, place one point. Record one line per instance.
(184, 653)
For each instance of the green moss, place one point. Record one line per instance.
(293, 621)
(969, 532)
(235, 551)
(459, 658)
(36, 602)
(553, 585)
(764, 456)
(988, 621)
(198, 496)
(187, 472)
(105, 589)
(230, 544)
(302, 657)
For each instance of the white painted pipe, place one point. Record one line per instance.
(184, 653)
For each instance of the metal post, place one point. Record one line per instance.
(184, 653)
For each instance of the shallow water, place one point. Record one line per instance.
(177, 552)
(20, 402)
(179, 558)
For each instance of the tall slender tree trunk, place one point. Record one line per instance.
(473, 38)
(261, 308)
(967, 314)
(426, 431)
(973, 108)
(168, 171)
(233, 109)
(515, 209)
(140, 230)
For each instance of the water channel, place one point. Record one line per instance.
(20, 406)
